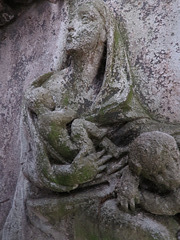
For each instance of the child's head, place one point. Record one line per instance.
(156, 157)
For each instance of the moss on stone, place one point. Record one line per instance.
(42, 79)
(53, 138)
(66, 100)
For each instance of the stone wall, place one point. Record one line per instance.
(32, 45)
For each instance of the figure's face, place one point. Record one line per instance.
(169, 174)
(86, 29)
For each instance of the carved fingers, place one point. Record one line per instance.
(127, 191)
(128, 203)
(88, 167)
(99, 159)
(112, 148)
(101, 162)
(116, 167)
(104, 158)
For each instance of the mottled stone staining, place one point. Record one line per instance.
(9, 10)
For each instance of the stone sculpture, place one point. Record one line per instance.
(85, 134)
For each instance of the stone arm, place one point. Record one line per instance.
(161, 205)
(83, 169)
(60, 178)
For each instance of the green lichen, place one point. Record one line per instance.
(84, 175)
(124, 36)
(76, 137)
(54, 134)
(42, 79)
(63, 178)
(126, 105)
(66, 101)
(44, 167)
(66, 179)
(117, 37)
(53, 139)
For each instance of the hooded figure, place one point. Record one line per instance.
(63, 110)
(81, 89)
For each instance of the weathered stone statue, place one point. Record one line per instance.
(90, 152)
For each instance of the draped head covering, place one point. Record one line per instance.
(115, 98)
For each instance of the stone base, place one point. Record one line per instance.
(78, 217)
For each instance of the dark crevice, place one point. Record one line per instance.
(33, 116)
(150, 186)
(16, 3)
(121, 136)
(68, 127)
(4, 201)
(98, 80)
(11, 3)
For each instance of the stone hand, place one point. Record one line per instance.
(88, 167)
(127, 191)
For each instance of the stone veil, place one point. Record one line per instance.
(94, 163)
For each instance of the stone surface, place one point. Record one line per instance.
(153, 30)
(132, 113)
(10, 10)
(6, 13)
(29, 47)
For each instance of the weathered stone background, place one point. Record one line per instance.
(32, 45)
(29, 47)
(154, 34)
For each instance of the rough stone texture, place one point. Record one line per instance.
(10, 10)
(29, 47)
(152, 38)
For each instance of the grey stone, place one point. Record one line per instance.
(96, 148)
(23, 57)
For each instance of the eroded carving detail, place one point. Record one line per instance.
(84, 128)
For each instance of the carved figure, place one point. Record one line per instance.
(56, 101)
(83, 126)
(54, 104)
(153, 177)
